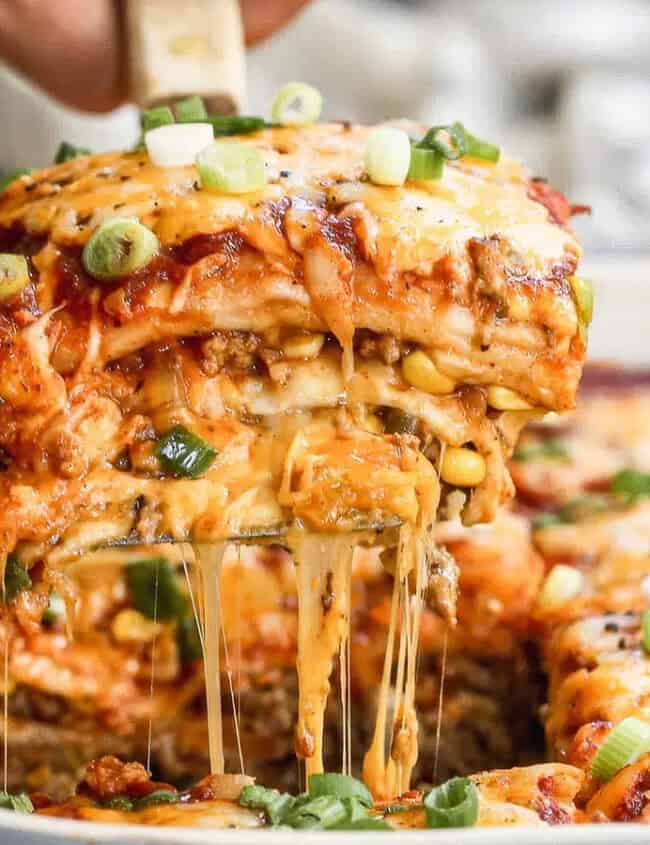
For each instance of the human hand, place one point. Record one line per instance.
(73, 48)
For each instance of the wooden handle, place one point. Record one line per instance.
(179, 47)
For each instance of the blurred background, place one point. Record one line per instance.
(563, 84)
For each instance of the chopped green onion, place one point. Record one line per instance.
(366, 823)
(317, 814)
(177, 145)
(159, 796)
(154, 589)
(296, 104)
(273, 803)
(55, 609)
(583, 507)
(235, 124)
(584, 295)
(624, 745)
(20, 803)
(339, 786)
(67, 152)
(545, 520)
(388, 156)
(475, 147)
(119, 802)
(12, 176)
(191, 110)
(16, 578)
(183, 453)
(358, 818)
(14, 275)
(562, 584)
(159, 116)
(552, 449)
(119, 247)
(425, 164)
(188, 639)
(630, 484)
(435, 140)
(645, 631)
(231, 167)
(452, 804)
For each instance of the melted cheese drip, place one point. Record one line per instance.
(441, 698)
(324, 570)
(209, 557)
(390, 777)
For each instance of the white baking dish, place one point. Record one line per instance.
(620, 332)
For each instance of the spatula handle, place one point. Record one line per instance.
(179, 47)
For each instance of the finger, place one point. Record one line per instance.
(261, 18)
(70, 48)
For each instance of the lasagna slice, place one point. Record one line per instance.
(318, 356)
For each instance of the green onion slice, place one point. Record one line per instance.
(624, 745)
(191, 110)
(12, 176)
(630, 484)
(119, 247)
(583, 292)
(188, 639)
(67, 152)
(339, 786)
(159, 796)
(274, 804)
(235, 124)
(388, 156)
(177, 145)
(321, 813)
(452, 804)
(20, 803)
(551, 449)
(16, 578)
(296, 104)
(583, 507)
(231, 167)
(183, 453)
(545, 520)
(367, 823)
(475, 147)
(159, 116)
(14, 275)
(436, 140)
(425, 164)
(645, 631)
(118, 802)
(55, 609)
(154, 589)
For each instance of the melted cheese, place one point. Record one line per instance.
(324, 570)
(209, 558)
(390, 777)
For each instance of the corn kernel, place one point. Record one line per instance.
(130, 626)
(420, 371)
(562, 584)
(303, 345)
(462, 467)
(504, 399)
